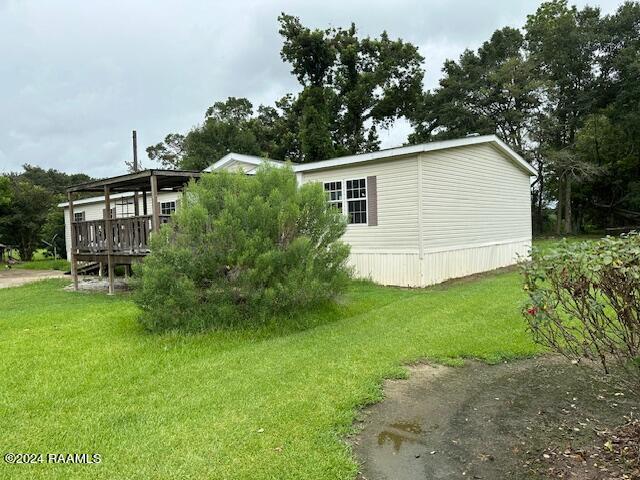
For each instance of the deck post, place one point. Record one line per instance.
(109, 234)
(136, 204)
(74, 261)
(144, 203)
(155, 224)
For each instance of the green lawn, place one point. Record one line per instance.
(79, 375)
(41, 262)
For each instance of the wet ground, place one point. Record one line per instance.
(14, 277)
(490, 421)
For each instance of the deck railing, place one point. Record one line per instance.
(129, 235)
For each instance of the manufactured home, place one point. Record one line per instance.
(417, 215)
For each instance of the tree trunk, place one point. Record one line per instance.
(560, 206)
(540, 202)
(568, 225)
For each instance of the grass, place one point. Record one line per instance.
(81, 376)
(41, 262)
(547, 243)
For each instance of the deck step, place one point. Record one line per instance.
(91, 268)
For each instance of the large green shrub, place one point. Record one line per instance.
(241, 249)
(584, 301)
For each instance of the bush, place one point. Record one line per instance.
(584, 301)
(241, 249)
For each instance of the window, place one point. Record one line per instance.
(355, 193)
(167, 208)
(358, 211)
(126, 207)
(78, 216)
(334, 194)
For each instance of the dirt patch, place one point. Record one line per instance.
(97, 284)
(513, 420)
(14, 277)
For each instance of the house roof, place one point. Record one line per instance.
(492, 140)
(231, 158)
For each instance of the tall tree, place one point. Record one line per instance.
(562, 42)
(488, 91)
(229, 126)
(493, 90)
(52, 180)
(351, 87)
(5, 191)
(610, 138)
(21, 221)
(35, 193)
(354, 85)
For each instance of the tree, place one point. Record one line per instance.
(562, 42)
(610, 138)
(351, 87)
(367, 83)
(52, 180)
(22, 219)
(53, 232)
(315, 124)
(169, 153)
(229, 126)
(42, 220)
(5, 192)
(491, 91)
(242, 250)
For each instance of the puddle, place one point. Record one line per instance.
(481, 421)
(398, 433)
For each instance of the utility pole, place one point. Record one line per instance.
(136, 206)
(135, 151)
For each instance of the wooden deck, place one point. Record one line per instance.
(122, 241)
(129, 236)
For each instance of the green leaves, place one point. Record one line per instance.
(584, 300)
(23, 217)
(243, 249)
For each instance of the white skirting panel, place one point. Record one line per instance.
(401, 269)
(444, 265)
(407, 270)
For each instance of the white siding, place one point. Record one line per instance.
(388, 252)
(444, 265)
(397, 182)
(472, 196)
(441, 215)
(476, 212)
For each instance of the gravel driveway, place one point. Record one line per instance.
(14, 277)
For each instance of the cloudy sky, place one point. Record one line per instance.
(77, 76)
